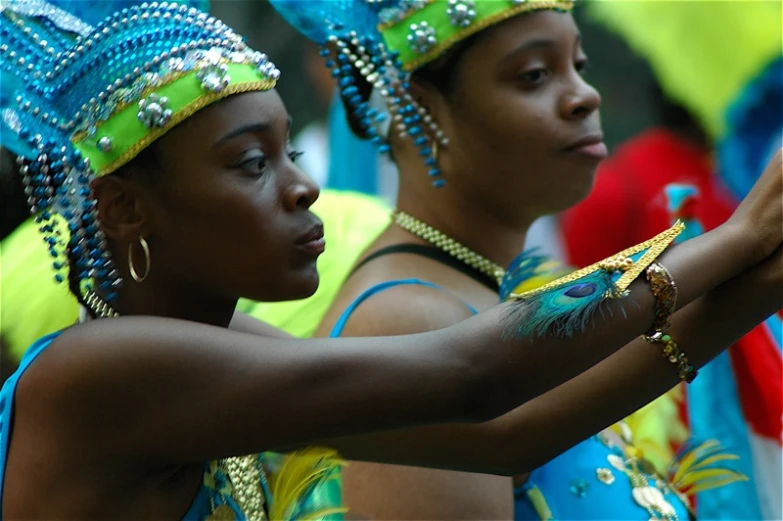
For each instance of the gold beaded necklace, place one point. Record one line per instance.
(445, 243)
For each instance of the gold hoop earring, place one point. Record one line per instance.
(148, 263)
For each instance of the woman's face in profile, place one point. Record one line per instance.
(232, 217)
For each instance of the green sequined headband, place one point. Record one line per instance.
(132, 118)
(424, 29)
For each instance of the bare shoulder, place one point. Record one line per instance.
(405, 309)
(244, 323)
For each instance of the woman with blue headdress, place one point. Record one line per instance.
(155, 157)
(491, 125)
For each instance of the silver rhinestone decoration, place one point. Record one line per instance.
(39, 8)
(461, 13)
(176, 64)
(154, 111)
(104, 144)
(214, 76)
(422, 37)
(264, 66)
(400, 11)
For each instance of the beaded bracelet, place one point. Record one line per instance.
(665, 292)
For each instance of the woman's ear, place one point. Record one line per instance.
(121, 208)
(426, 95)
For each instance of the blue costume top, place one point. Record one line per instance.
(591, 481)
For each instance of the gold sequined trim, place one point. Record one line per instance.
(661, 242)
(655, 247)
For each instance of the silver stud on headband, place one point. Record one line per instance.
(214, 77)
(104, 144)
(154, 111)
(461, 13)
(422, 37)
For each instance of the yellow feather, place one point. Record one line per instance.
(713, 459)
(690, 474)
(657, 427)
(709, 475)
(701, 487)
(299, 473)
(690, 458)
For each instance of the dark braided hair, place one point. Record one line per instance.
(442, 74)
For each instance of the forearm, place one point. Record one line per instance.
(637, 374)
(538, 431)
(697, 266)
(334, 387)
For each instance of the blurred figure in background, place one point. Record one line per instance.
(720, 104)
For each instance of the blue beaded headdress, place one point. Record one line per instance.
(89, 99)
(384, 41)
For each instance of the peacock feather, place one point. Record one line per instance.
(565, 310)
(567, 305)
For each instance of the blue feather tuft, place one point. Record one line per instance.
(562, 311)
(524, 267)
(565, 306)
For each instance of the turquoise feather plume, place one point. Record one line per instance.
(565, 310)
(567, 305)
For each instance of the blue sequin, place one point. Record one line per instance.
(579, 487)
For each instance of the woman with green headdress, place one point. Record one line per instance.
(487, 115)
(155, 156)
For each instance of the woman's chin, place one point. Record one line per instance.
(296, 286)
(578, 188)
